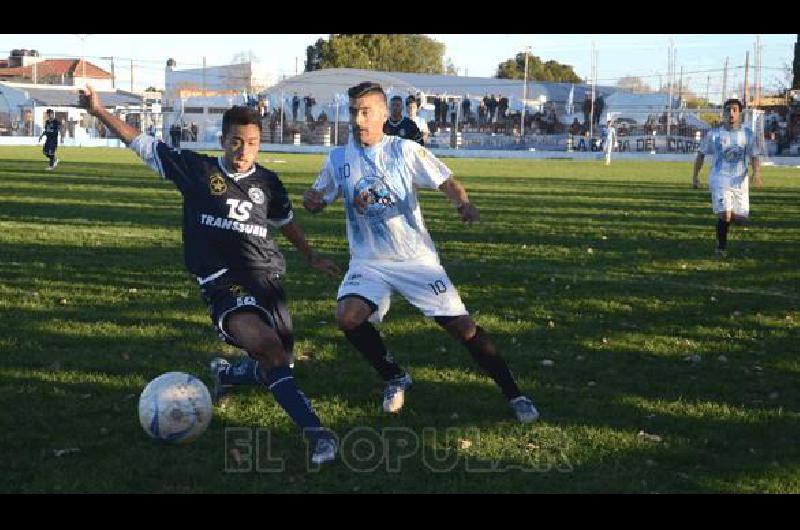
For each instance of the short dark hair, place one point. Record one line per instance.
(240, 116)
(366, 88)
(49, 111)
(411, 99)
(731, 101)
(397, 98)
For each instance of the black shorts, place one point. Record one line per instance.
(256, 291)
(49, 148)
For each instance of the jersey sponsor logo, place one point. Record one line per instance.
(234, 226)
(256, 195)
(239, 210)
(372, 197)
(733, 154)
(217, 184)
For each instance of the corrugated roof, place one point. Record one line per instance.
(69, 98)
(57, 67)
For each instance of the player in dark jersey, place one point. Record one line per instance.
(51, 129)
(398, 125)
(230, 207)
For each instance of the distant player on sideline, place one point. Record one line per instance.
(412, 106)
(228, 204)
(732, 145)
(391, 250)
(399, 125)
(611, 141)
(51, 129)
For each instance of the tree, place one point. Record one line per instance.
(384, 52)
(634, 84)
(552, 71)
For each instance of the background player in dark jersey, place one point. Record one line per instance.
(398, 125)
(230, 204)
(51, 128)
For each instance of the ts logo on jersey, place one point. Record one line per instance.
(217, 184)
(239, 210)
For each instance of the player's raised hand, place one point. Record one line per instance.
(89, 100)
(325, 265)
(313, 201)
(469, 213)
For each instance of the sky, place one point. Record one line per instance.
(702, 56)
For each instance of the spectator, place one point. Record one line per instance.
(587, 109)
(465, 105)
(309, 105)
(295, 107)
(502, 107)
(194, 129)
(575, 128)
(599, 106)
(492, 106)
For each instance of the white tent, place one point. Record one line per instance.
(325, 85)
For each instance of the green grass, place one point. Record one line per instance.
(95, 302)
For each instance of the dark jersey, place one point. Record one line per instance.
(226, 217)
(404, 128)
(51, 128)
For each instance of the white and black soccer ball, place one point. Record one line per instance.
(175, 407)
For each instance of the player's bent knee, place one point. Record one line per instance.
(461, 327)
(349, 320)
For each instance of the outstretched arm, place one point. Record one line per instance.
(91, 101)
(698, 165)
(296, 236)
(455, 191)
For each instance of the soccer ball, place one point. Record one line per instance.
(175, 407)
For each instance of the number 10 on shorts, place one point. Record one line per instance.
(438, 287)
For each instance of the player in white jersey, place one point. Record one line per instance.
(610, 141)
(731, 146)
(412, 106)
(390, 248)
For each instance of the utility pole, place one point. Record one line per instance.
(113, 75)
(131, 75)
(708, 84)
(204, 75)
(592, 76)
(724, 84)
(747, 79)
(757, 73)
(524, 96)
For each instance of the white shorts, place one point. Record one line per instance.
(424, 283)
(736, 200)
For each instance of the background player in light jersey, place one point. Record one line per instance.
(230, 205)
(731, 146)
(610, 141)
(412, 106)
(390, 249)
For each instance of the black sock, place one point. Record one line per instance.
(52, 160)
(722, 233)
(483, 350)
(368, 341)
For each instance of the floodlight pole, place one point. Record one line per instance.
(524, 96)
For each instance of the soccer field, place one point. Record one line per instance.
(656, 366)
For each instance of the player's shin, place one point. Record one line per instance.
(366, 339)
(483, 350)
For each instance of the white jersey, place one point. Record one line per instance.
(421, 124)
(378, 184)
(732, 150)
(611, 138)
